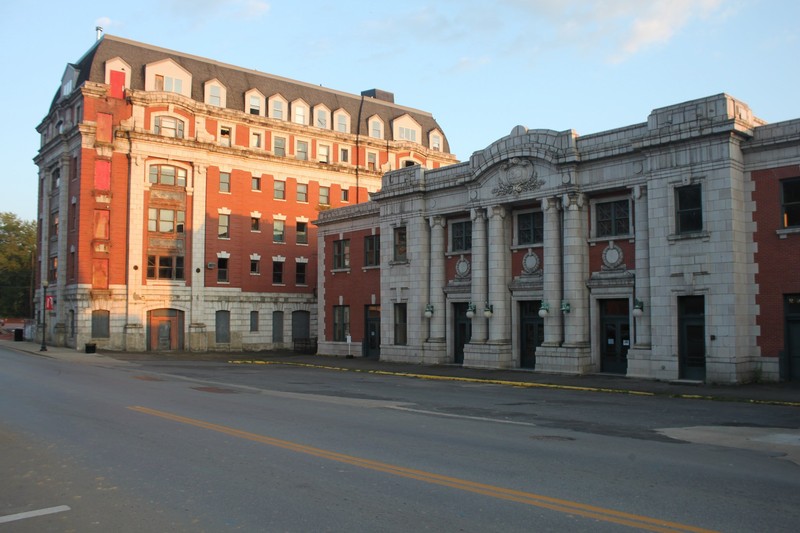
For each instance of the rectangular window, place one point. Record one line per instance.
(302, 232)
(300, 273)
(255, 140)
(277, 272)
(322, 118)
(324, 153)
(222, 269)
(300, 115)
(166, 220)
(461, 236)
(613, 218)
(345, 195)
(255, 266)
(277, 326)
(372, 250)
(530, 228)
(302, 192)
(280, 146)
(375, 129)
(400, 248)
(344, 155)
(255, 104)
(255, 183)
(277, 109)
(436, 143)
(341, 322)
(223, 227)
(407, 134)
(169, 127)
(341, 123)
(222, 327)
(225, 136)
(302, 150)
(224, 182)
(341, 254)
(325, 196)
(791, 203)
(165, 267)
(400, 325)
(372, 160)
(255, 224)
(101, 324)
(280, 190)
(278, 231)
(215, 96)
(688, 209)
(253, 319)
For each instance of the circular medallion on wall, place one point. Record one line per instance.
(530, 262)
(612, 256)
(463, 267)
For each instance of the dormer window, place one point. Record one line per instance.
(66, 89)
(168, 84)
(299, 112)
(215, 93)
(322, 119)
(168, 127)
(255, 104)
(277, 109)
(407, 134)
(376, 129)
(342, 122)
(436, 143)
(214, 96)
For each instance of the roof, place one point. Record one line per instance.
(238, 80)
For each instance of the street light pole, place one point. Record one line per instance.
(44, 315)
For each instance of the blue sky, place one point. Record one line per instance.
(480, 67)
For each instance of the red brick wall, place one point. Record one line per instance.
(777, 258)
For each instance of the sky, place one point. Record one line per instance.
(481, 68)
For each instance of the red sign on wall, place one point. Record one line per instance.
(48, 303)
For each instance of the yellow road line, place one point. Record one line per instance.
(527, 498)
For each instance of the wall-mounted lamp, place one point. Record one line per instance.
(428, 310)
(488, 310)
(638, 308)
(544, 309)
(470, 310)
(565, 306)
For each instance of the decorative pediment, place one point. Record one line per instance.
(517, 176)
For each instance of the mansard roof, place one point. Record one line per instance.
(238, 81)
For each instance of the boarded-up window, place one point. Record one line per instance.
(101, 224)
(102, 175)
(101, 324)
(117, 84)
(277, 326)
(100, 273)
(104, 127)
(223, 327)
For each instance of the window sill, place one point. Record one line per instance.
(340, 271)
(459, 253)
(371, 267)
(608, 238)
(783, 233)
(524, 247)
(704, 235)
(398, 262)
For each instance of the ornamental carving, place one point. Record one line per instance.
(517, 176)
(463, 268)
(530, 263)
(612, 257)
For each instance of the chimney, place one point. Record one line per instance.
(378, 94)
(99, 31)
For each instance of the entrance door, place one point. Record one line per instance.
(164, 335)
(372, 326)
(165, 330)
(615, 336)
(531, 332)
(792, 306)
(462, 326)
(692, 337)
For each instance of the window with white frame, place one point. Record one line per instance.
(372, 161)
(215, 95)
(342, 123)
(255, 267)
(277, 108)
(256, 139)
(300, 113)
(344, 155)
(168, 127)
(254, 104)
(279, 192)
(167, 175)
(375, 128)
(324, 153)
(325, 196)
(223, 226)
(280, 146)
(436, 143)
(302, 192)
(166, 220)
(302, 150)
(278, 231)
(321, 120)
(225, 135)
(255, 183)
(224, 182)
(168, 84)
(407, 134)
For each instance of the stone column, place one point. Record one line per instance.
(576, 322)
(499, 323)
(642, 293)
(438, 279)
(552, 272)
(479, 274)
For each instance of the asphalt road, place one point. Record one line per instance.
(207, 446)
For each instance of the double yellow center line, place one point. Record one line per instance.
(527, 498)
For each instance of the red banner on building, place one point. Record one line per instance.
(48, 303)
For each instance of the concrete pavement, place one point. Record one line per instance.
(786, 394)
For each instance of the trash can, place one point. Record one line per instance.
(91, 347)
(18, 335)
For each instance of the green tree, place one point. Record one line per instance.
(17, 247)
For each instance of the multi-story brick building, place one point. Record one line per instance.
(666, 249)
(177, 196)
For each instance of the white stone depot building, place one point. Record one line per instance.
(633, 251)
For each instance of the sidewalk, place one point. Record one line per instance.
(787, 394)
